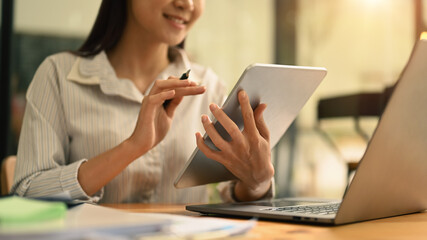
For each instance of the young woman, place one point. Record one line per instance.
(96, 126)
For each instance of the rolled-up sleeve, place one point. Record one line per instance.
(43, 168)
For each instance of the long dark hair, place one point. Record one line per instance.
(107, 29)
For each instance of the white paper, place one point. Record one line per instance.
(84, 220)
(92, 222)
(198, 227)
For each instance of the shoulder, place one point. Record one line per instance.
(62, 59)
(63, 56)
(52, 72)
(58, 64)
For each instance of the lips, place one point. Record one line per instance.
(176, 19)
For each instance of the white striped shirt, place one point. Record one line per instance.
(77, 109)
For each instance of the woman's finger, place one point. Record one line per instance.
(212, 154)
(247, 113)
(260, 123)
(188, 91)
(159, 98)
(172, 105)
(170, 83)
(179, 95)
(151, 102)
(231, 127)
(217, 140)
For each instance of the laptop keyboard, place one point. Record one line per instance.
(326, 209)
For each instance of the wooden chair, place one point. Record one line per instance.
(7, 173)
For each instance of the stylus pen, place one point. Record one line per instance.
(183, 77)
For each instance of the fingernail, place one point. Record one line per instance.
(205, 118)
(213, 107)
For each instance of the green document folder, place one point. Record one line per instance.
(23, 210)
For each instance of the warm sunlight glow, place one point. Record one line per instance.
(423, 35)
(374, 3)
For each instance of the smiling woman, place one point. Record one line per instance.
(363, 45)
(95, 125)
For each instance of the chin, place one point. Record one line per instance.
(174, 40)
(175, 43)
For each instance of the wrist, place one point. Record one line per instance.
(133, 149)
(243, 193)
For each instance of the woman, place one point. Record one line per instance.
(96, 126)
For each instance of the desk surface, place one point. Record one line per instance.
(413, 226)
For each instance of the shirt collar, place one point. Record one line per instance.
(97, 70)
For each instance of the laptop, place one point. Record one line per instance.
(391, 179)
(285, 90)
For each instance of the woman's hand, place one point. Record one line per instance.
(155, 119)
(153, 123)
(248, 154)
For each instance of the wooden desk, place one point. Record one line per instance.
(413, 226)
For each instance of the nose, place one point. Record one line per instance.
(184, 4)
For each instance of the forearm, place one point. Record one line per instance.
(94, 174)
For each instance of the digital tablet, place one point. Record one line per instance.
(285, 90)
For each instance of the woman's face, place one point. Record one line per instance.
(165, 21)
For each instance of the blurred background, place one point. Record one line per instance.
(364, 44)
